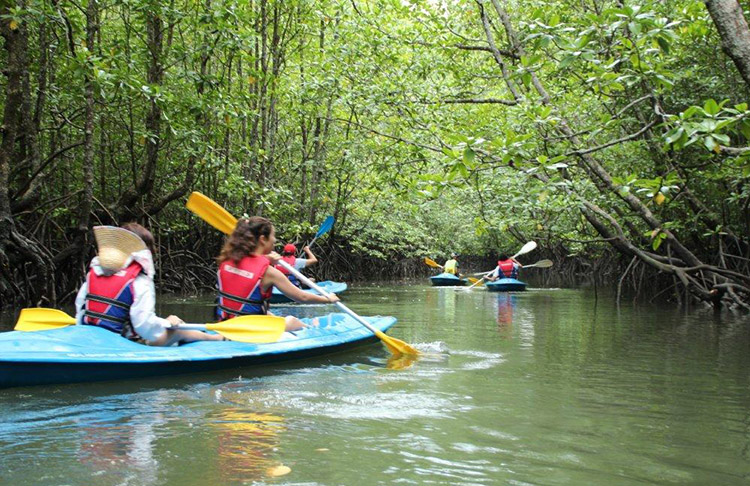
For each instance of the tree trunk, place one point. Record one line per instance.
(734, 32)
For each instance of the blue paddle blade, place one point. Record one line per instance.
(326, 226)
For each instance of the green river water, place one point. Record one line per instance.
(545, 387)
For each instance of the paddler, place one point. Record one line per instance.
(451, 266)
(118, 294)
(506, 268)
(288, 255)
(247, 275)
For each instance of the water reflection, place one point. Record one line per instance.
(505, 304)
(118, 444)
(246, 443)
(584, 393)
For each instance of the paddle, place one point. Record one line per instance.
(325, 227)
(246, 329)
(540, 264)
(394, 345)
(524, 249)
(476, 281)
(432, 263)
(211, 213)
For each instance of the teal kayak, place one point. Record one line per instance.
(505, 285)
(447, 280)
(77, 354)
(335, 287)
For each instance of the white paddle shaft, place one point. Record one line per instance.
(314, 286)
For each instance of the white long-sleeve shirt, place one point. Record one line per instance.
(143, 316)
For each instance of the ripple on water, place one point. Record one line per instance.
(479, 360)
(366, 406)
(452, 471)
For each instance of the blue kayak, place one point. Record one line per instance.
(336, 287)
(77, 354)
(447, 279)
(505, 285)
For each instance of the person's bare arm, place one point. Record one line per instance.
(311, 259)
(274, 277)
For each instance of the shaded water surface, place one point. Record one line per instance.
(546, 387)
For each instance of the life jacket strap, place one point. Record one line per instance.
(240, 299)
(105, 317)
(237, 312)
(106, 300)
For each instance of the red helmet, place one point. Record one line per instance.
(290, 248)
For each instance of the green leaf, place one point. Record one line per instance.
(711, 107)
(663, 44)
(469, 155)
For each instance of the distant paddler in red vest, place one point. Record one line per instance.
(506, 268)
(287, 255)
(118, 294)
(247, 274)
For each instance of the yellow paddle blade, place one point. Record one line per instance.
(42, 319)
(396, 346)
(400, 361)
(210, 212)
(476, 281)
(251, 329)
(432, 263)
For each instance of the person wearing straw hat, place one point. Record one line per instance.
(298, 263)
(246, 273)
(118, 294)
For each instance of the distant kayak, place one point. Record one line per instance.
(447, 280)
(76, 354)
(505, 285)
(336, 287)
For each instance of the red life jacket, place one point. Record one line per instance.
(240, 291)
(291, 260)
(508, 268)
(109, 299)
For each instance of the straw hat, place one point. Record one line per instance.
(116, 245)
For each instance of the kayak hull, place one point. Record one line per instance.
(447, 280)
(62, 355)
(506, 285)
(335, 287)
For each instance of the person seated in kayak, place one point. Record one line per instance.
(247, 275)
(118, 293)
(451, 266)
(288, 255)
(506, 268)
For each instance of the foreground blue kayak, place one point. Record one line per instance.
(76, 354)
(505, 285)
(447, 279)
(336, 287)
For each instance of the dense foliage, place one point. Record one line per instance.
(424, 127)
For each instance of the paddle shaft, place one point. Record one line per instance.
(190, 327)
(476, 283)
(314, 286)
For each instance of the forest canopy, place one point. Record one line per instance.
(595, 127)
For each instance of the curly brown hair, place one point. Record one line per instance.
(244, 239)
